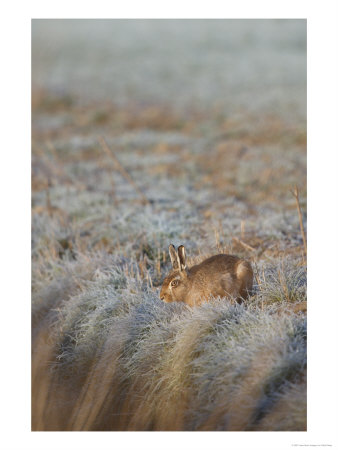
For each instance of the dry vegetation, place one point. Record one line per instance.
(107, 353)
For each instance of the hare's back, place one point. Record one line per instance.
(217, 263)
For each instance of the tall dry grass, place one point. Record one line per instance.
(114, 357)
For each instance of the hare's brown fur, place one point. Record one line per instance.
(218, 276)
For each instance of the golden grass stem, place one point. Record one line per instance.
(243, 244)
(159, 261)
(122, 170)
(295, 193)
(242, 229)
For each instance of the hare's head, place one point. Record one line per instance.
(176, 285)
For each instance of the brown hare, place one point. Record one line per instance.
(217, 276)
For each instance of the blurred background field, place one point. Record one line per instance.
(205, 129)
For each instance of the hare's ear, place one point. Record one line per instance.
(174, 257)
(181, 256)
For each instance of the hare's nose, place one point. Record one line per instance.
(162, 298)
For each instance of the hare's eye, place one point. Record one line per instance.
(174, 283)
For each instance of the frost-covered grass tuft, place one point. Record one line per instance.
(126, 360)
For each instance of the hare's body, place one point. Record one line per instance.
(218, 276)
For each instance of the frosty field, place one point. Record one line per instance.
(205, 131)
